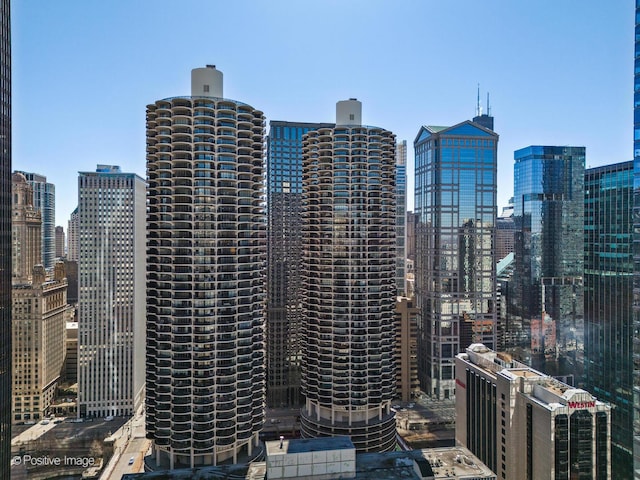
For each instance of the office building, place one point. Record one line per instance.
(608, 301)
(548, 216)
(406, 332)
(348, 375)
(26, 225)
(111, 304)
(40, 314)
(44, 200)
(524, 424)
(284, 260)
(636, 239)
(72, 236)
(505, 233)
(401, 214)
(5, 240)
(455, 268)
(205, 282)
(60, 242)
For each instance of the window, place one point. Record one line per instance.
(205, 88)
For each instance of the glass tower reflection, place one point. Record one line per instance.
(455, 201)
(548, 216)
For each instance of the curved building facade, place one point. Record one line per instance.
(349, 282)
(206, 253)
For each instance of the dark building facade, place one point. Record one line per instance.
(455, 268)
(284, 260)
(636, 245)
(5, 240)
(608, 301)
(548, 216)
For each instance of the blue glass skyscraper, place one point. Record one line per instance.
(548, 216)
(455, 201)
(636, 247)
(284, 258)
(608, 294)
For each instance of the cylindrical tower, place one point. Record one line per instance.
(206, 253)
(349, 284)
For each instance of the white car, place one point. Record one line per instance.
(131, 460)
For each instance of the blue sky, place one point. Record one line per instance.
(559, 72)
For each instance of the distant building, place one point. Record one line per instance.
(524, 425)
(284, 261)
(40, 313)
(26, 225)
(406, 326)
(60, 242)
(44, 201)
(111, 310)
(70, 369)
(411, 221)
(72, 237)
(349, 265)
(608, 302)
(455, 269)
(505, 233)
(71, 268)
(548, 216)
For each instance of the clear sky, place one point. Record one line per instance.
(559, 72)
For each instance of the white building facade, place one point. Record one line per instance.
(526, 425)
(111, 296)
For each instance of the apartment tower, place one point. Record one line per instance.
(205, 276)
(72, 236)
(455, 268)
(401, 217)
(111, 303)
(608, 301)
(348, 368)
(5, 240)
(284, 260)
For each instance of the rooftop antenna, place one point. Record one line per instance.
(488, 107)
(478, 107)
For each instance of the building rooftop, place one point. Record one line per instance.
(304, 445)
(433, 463)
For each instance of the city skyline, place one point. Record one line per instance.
(578, 69)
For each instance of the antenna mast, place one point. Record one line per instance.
(478, 107)
(488, 107)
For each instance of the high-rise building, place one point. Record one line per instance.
(636, 248)
(401, 217)
(40, 315)
(284, 260)
(348, 374)
(72, 237)
(505, 233)
(44, 200)
(406, 329)
(455, 268)
(60, 242)
(548, 215)
(26, 223)
(608, 301)
(524, 424)
(111, 304)
(5, 240)
(205, 276)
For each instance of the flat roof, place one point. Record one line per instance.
(303, 445)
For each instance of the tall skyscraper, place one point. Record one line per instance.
(455, 269)
(44, 199)
(348, 374)
(401, 216)
(636, 248)
(525, 425)
(5, 240)
(284, 260)
(205, 276)
(26, 224)
(548, 216)
(111, 303)
(72, 236)
(608, 301)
